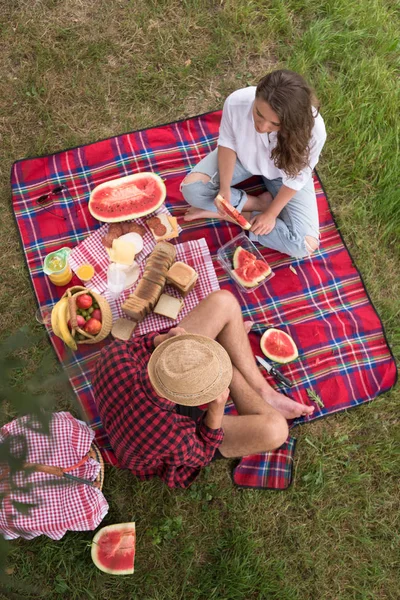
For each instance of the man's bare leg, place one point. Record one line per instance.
(219, 317)
(258, 428)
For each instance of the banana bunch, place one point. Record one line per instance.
(59, 323)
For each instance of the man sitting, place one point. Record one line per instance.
(148, 389)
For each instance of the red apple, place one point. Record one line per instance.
(92, 326)
(96, 314)
(84, 301)
(80, 320)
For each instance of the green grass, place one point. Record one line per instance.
(73, 72)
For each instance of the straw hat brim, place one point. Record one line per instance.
(190, 399)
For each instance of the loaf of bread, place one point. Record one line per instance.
(146, 294)
(182, 277)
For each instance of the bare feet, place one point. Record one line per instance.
(287, 407)
(248, 325)
(193, 213)
(258, 203)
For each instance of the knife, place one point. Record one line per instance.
(276, 374)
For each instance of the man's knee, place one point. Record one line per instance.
(276, 431)
(225, 301)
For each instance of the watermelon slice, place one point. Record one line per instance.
(278, 346)
(251, 274)
(230, 211)
(127, 197)
(248, 270)
(113, 549)
(242, 257)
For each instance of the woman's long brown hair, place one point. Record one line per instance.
(289, 95)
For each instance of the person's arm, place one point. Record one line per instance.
(197, 442)
(215, 411)
(226, 166)
(263, 223)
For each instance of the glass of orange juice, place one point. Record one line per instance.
(85, 272)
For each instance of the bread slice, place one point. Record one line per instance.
(122, 329)
(165, 222)
(168, 306)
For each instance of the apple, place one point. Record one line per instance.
(92, 326)
(84, 301)
(96, 314)
(80, 320)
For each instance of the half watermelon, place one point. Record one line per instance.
(127, 197)
(278, 346)
(113, 549)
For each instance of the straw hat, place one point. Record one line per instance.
(190, 369)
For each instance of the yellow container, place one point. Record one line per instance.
(57, 268)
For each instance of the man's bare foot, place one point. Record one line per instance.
(248, 325)
(287, 407)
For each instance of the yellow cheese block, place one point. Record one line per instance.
(122, 252)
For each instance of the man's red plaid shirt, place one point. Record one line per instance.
(147, 435)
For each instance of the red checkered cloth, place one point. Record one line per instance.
(56, 508)
(92, 251)
(194, 253)
(344, 355)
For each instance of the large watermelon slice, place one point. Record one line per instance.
(127, 197)
(113, 549)
(278, 346)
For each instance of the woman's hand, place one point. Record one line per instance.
(225, 193)
(263, 223)
(161, 337)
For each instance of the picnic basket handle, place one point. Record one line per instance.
(73, 314)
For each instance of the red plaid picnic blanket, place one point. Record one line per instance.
(57, 505)
(344, 355)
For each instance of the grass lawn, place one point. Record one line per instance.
(74, 71)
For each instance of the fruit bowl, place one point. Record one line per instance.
(106, 324)
(225, 257)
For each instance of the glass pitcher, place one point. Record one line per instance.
(57, 268)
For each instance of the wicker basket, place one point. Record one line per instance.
(106, 314)
(94, 452)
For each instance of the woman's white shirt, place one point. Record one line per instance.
(253, 149)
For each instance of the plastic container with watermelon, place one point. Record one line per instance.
(225, 256)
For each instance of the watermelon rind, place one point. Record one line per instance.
(242, 257)
(252, 274)
(103, 532)
(278, 346)
(121, 181)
